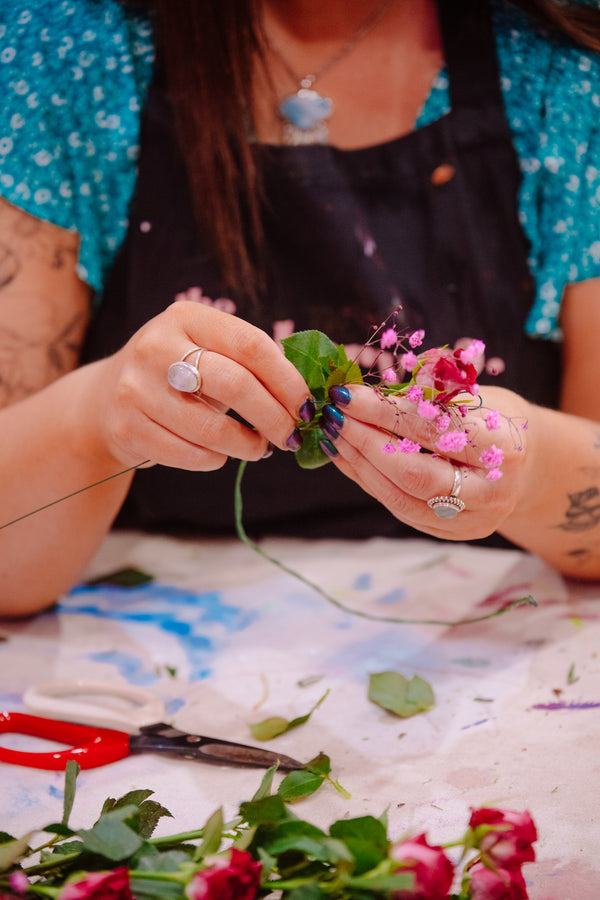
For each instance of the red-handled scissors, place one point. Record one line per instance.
(92, 745)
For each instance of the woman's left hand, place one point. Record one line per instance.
(370, 426)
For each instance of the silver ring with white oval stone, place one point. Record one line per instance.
(448, 505)
(183, 375)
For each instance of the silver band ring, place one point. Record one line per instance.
(448, 506)
(183, 375)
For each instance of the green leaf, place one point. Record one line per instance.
(310, 455)
(145, 889)
(270, 728)
(12, 851)
(320, 764)
(149, 812)
(306, 350)
(266, 811)
(111, 836)
(307, 892)
(394, 692)
(295, 834)
(366, 839)
(264, 788)
(125, 578)
(71, 772)
(299, 784)
(212, 834)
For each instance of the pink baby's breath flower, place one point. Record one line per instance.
(388, 339)
(442, 423)
(415, 394)
(408, 446)
(493, 420)
(494, 474)
(427, 410)
(492, 457)
(388, 447)
(452, 441)
(390, 376)
(408, 361)
(476, 348)
(416, 338)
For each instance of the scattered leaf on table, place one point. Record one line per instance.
(397, 694)
(126, 578)
(276, 725)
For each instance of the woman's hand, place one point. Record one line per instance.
(130, 408)
(404, 482)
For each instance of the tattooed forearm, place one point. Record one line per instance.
(583, 512)
(24, 239)
(27, 364)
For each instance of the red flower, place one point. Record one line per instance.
(99, 886)
(433, 872)
(233, 878)
(443, 372)
(508, 842)
(499, 885)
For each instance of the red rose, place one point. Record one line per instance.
(499, 885)
(508, 842)
(99, 886)
(432, 870)
(236, 877)
(444, 373)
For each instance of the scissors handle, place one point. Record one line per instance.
(90, 746)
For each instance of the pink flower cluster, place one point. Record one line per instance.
(503, 839)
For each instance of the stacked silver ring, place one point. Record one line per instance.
(447, 506)
(184, 376)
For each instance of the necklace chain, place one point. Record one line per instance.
(362, 31)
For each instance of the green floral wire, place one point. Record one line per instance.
(241, 532)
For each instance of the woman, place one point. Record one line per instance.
(325, 209)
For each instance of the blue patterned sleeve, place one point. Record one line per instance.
(73, 76)
(552, 97)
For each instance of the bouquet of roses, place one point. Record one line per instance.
(266, 851)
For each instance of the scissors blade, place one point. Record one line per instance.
(162, 738)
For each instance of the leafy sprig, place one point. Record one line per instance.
(266, 848)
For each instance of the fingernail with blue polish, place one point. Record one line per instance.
(340, 394)
(269, 451)
(329, 431)
(294, 442)
(307, 410)
(328, 448)
(333, 416)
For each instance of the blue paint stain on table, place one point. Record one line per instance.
(197, 621)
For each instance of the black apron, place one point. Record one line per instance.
(429, 220)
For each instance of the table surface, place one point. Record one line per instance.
(225, 639)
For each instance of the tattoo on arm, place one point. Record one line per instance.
(583, 512)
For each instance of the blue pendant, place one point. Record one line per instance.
(306, 108)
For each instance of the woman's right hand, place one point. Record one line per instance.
(128, 405)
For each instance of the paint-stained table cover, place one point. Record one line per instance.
(225, 639)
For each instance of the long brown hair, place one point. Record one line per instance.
(209, 49)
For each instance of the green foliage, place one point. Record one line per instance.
(322, 364)
(276, 725)
(397, 694)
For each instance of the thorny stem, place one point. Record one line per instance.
(241, 532)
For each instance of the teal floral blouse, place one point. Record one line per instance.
(73, 78)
